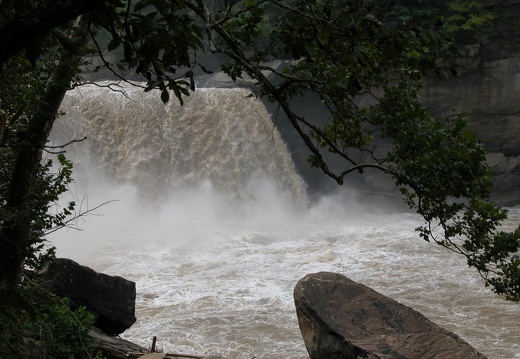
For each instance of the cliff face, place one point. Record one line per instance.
(488, 90)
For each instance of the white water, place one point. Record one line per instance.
(216, 276)
(219, 135)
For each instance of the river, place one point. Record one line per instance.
(215, 267)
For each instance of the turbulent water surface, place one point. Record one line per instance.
(215, 271)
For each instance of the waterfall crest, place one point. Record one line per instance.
(219, 136)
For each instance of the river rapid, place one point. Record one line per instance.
(210, 281)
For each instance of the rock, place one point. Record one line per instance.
(110, 298)
(513, 165)
(341, 319)
(489, 94)
(153, 356)
(497, 162)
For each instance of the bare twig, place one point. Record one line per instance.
(49, 149)
(76, 217)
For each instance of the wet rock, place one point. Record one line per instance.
(341, 319)
(110, 298)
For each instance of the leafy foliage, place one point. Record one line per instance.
(19, 94)
(154, 39)
(440, 167)
(338, 50)
(454, 17)
(64, 332)
(467, 15)
(36, 326)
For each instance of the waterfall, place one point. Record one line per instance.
(221, 137)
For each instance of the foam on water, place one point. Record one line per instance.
(208, 285)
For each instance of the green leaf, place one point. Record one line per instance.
(114, 43)
(165, 96)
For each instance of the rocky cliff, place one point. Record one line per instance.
(487, 88)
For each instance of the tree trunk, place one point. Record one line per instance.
(15, 231)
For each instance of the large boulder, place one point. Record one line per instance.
(110, 298)
(341, 319)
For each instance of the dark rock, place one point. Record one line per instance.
(497, 162)
(341, 319)
(110, 298)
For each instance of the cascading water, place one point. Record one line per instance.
(225, 232)
(219, 135)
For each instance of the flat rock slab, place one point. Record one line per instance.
(113, 347)
(342, 319)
